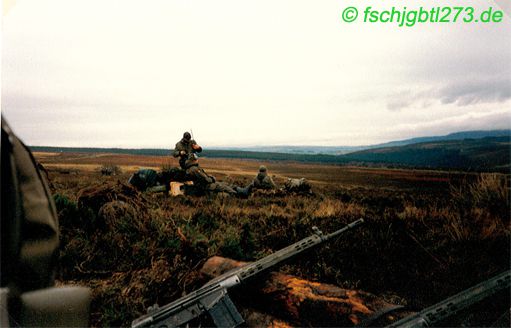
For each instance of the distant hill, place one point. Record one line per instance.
(477, 134)
(484, 154)
(306, 150)
(341, 150)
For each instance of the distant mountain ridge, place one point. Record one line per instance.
(476, 134)
(478, 154)
(306, 150)
(342, 150)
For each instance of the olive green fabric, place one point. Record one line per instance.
(199, 177)
(183, 149)
(30, 224)
(222, 187)
(65, 306)
(208, 183)
(263, 181)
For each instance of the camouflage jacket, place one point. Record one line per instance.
(263, 181)
(187, 148)
(199, 177)
(207, 182)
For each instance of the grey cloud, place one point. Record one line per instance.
(408, 99)
(464, 122)
(462, 93)
(473, 92)
(398, 104)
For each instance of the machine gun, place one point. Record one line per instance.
(212, 298)
(434, 314)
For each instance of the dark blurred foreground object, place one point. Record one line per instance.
(211, 302)
(30, 238)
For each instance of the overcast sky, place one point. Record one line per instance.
(266, 72)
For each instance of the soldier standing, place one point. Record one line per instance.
(184, 148)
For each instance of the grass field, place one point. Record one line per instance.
(428, 234)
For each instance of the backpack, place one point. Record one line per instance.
(300, 186)
(29, 241)
(143, 179)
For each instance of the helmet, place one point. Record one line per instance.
(262, 168)
(187, 136)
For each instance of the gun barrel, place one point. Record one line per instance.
(442, 310)
(351, 225)
(179, 312)
(245, 272)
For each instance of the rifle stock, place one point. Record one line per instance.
(213, 299)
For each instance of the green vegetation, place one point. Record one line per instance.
(486, 154)
(419, 245)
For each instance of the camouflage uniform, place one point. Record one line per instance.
(263, 180)
(222, 187)
(199, 177)
(300, 186)
(184, 148)
(203, 181)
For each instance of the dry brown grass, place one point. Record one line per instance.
(425, 231)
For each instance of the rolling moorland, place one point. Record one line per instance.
(428, 233)
(481, 153)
